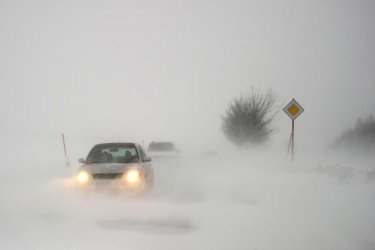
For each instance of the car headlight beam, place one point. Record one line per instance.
(83, 177)
(132, 176)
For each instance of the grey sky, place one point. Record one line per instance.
(167, 69)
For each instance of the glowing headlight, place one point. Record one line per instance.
(83, 177)
(132, 176)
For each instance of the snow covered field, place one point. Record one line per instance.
(142, 71)
(254, 202)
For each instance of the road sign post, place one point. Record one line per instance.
(293, 110)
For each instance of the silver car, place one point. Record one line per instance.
(122, 166)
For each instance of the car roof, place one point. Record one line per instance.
(162, 142)
(116, 144)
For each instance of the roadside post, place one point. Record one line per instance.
(293, 110)
(66, 155)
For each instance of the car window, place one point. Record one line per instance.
(113, 154)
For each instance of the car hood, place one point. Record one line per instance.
(104, 168)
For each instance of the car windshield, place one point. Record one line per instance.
(113, 153)
(161, 146)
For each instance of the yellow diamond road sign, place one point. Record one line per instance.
(293, 109)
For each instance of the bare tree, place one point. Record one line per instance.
(248, 119)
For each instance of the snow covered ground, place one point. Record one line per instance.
(237, 202)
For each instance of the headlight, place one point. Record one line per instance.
(83, 177)
(132, 176)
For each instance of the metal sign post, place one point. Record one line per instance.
(293, 110)
(292, 140)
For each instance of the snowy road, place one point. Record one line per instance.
(205, 204)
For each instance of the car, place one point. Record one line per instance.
(160, 149)
(122, 166)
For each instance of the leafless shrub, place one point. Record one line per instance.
(248, 119)
(361, 138)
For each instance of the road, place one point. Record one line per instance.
(212, 203)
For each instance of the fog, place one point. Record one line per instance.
(109, 71)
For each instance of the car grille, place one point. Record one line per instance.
(107, 176)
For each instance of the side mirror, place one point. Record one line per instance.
(81, 160)
(147, 159)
